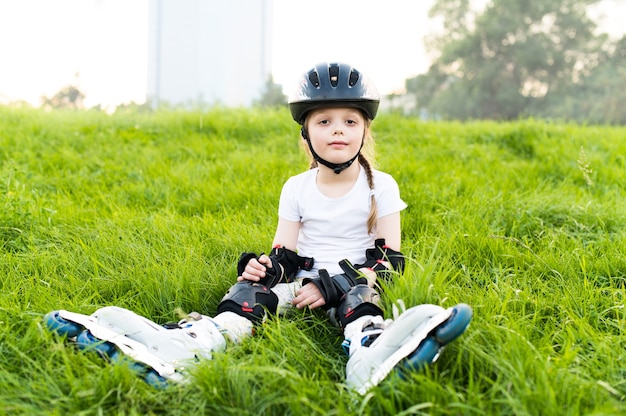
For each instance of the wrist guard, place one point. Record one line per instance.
(379, 254)
(334, 287)
(285, 264)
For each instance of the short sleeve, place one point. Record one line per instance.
(387, 195)
(288, 207)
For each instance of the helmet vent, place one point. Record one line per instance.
(314, 78)
(354, 78)
(333, 73)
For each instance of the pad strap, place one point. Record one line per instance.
(375, 257)
(285, 264)
(333, 288)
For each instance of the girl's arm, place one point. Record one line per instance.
(286, 234)
(388, 227)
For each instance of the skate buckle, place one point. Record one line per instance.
(345, 345)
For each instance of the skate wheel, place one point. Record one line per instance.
(149, 375)
(117, 357)
(61, 326)
(155, 379)
(137, 367)
(423, 356)
(87, 342)
(455, 325)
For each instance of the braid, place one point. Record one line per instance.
(373, 215)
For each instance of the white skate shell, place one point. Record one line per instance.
(369, 365)
(168, 351)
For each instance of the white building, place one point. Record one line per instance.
(205, 52)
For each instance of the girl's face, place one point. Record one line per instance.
(336, 134)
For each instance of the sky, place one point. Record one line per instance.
(382, 38)
(101, 45)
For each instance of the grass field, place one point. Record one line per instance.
(524, 221)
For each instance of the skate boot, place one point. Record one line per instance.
(411, 341)
(161, 353)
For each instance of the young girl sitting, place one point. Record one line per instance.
(338, 231)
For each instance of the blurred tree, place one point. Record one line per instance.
(68, 97)
(600, 97)
(508, 61)
(134, 108)
(272, 95)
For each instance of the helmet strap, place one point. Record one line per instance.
(336, 167)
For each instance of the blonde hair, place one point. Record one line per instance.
(367, 160)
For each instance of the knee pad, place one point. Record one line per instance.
(250, 300)
(359, 301)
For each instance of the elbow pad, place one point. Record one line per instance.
(285, 264)
(382, 253)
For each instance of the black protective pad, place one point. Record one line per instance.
(382, 253)
(361, 300)
(285, 265)
(250, 300)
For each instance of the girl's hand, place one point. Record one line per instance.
(255, 269)
(308, 295)
(370, 275)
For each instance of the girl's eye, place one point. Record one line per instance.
(324, 121)
(350, 121)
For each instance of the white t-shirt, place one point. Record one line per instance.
(333, 229)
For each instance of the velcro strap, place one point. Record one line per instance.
(375, 257)
(334, 287)
(343, 283)
(291, 262)
(285, 264)
(376, 265)
(352, 272)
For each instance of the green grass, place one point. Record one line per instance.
(524, 221)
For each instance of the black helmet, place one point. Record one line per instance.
(329, 84)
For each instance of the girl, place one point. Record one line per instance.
(338, 232)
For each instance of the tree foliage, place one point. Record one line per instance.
(272, 95)
(68, 97)
(600, 97)
(516, 58)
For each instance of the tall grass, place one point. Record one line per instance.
(524, 221)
